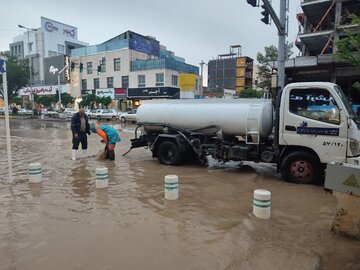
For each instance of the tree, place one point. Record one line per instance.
(17, 72)
(349, 46)
(46, 100)
(265, 64)
(106, 101)
(66, 99)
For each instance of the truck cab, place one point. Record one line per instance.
(316, 126)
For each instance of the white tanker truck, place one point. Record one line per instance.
(312, 124)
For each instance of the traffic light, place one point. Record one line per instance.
(252, 2)
(99, 69)
(81, 67)
(72, 66)
(265, 13)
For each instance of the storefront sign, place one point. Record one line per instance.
(105, 92)
(120, 93)
(159, 92)
(39, 90)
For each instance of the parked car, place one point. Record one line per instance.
(106, 114)
(52, 113)
(128, 116)
(69, 112)
(23, 111)
(91, 113)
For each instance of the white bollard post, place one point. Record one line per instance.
(102, 178)
(262, 203)
(171, 187)
(35, 173)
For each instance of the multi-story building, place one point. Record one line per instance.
(230, 71)
(322, 23)
(46, 46)
(131, 67)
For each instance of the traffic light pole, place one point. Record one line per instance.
(280, 23)
(59, 87)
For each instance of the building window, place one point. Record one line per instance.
(159, 79)
(174, 80)
(125, 81)
(117, 63)
(96, 83)
(103, 64)
(89, 67)
(51, 53)
(83, 84)
(110, 82)
(141, 80)
(61, 48)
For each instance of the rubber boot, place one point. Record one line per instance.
(83, 153)
(73, 154)
(111, 154)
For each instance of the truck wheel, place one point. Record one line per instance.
(168, 153)
(301, 167)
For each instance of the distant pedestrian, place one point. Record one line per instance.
(109, 137)
(79, 127)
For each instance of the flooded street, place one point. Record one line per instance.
(65, 223)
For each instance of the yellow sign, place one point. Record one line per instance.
(351, 181)
(187, 82)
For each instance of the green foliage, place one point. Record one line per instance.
(17, 72)
(66, 99)
(106, 101)
(250, 93)
(46, 100)
(17, 101)
(348, 48)
(266, 61)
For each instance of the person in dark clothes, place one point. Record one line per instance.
(80, 128)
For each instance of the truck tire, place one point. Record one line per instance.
(301, 167)
(168, 153)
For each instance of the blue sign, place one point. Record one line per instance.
(2, 66)
(317, 131)
(143, 44)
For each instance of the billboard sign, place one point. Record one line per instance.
(143, 44)
(54, 27)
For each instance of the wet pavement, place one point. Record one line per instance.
(65, 223)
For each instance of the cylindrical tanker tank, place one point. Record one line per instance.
(233, 116)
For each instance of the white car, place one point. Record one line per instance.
(23, 111)
(69, 112)
(91, 113)
(128, 116)
(106, 114)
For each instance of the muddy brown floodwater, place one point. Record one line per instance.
(65, 223)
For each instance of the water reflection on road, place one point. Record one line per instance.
(65, 223)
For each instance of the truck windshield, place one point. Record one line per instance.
(346, 102)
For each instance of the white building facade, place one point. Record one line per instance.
(135, 67)
(51, 39)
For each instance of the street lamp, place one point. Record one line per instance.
(30, 73)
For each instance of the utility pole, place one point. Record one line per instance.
(7, 123)
(30, 64)
(202, 63)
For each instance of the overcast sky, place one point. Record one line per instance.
(194, 29)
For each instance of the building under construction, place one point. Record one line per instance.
(230, 71)
(321, 25)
